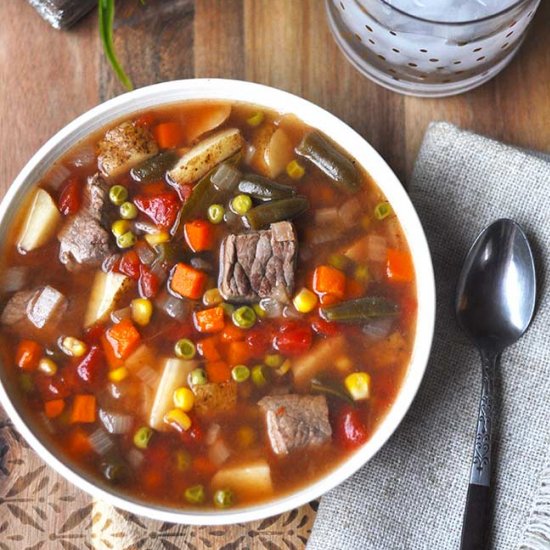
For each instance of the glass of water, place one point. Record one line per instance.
(430, 48)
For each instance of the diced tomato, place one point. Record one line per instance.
(325, 328)
(93, 335)
(51, 387)
(350, 431)
(293, 339)
(92, 368)
(149, 283)
(194, 435)
(183, 191)
(129, 265)
(145, 120)
(259, 341)
(69, 199)
(162, 208)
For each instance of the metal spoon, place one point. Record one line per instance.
(495, 302)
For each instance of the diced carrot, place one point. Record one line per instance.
(113, 361)
(124, 338)
(28, 355)
(169, 135)
(79, 443)
(209, 348)
(231, 333)
(329, 280)
(399, 267)
(218, 372)
(210, 320)
(199, 235)
(238, 353)
(188, 281)
(54, 408)
(84, 409)
(203, 465)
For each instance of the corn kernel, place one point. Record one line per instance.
(246, 436)
(142, 309)
(361, 273)
(284, 368)
(157, 238)
(47, 366)
(343, 363)
(120, 227)
(256, 119)
(305, 300)
(295, 170)
(178, 419)
(118, 375)
(358, 385)
(184, 399)
(73, 347)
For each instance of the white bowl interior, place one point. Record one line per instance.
(357, 147)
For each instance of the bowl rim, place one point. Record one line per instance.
(284, 102)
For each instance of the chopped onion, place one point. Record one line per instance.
(46, 423)
(57, 176)
(115, 423)
(147, 375)
(249, 152)
(226, 177)
(290, 312)
(141, 226)
(377, 249)
(177, 308)
(272, 307)
(110, 262)
(218, 453)
(349, 212)
(159, 270)
(145, 253)
(212, 433)
(378, 329)
(84, 157)
(120, 314)
(325, 234)
(280, 294)
(135, 458)
(14, 279)
(325, 216)
(202, 264)
(100, 441)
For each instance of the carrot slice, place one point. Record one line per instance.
(199, 235)
(231, 333)
(28, 355)
(124, 338)
(188, 281)
(169, 135)
(209, 349)
(54, 408)
(210, 320)
(329, 280)
(218, 372)
(238, 353)
(399, 266)
(84, 409)
(79, 443)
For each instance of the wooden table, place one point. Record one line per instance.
(48, 77)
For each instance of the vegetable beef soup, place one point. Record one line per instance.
(207, 305)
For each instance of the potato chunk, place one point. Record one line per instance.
(247, 480)
(199, 160)
(123, 147)
(40, 223)
(106, 290)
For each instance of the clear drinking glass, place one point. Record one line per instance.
(434, 57)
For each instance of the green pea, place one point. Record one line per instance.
(273, 360)
(118, 194)
(241, 204)
(142, 437)
(216, 213)
(195, 494)
(185, 349)
(244, 317)
(339, 261)
(128, 211)
(126, 240)
(258, 376)
(382, 210)
(197, 377)
(223, 498)
(212, 297)
(228, 308)
(240, 373)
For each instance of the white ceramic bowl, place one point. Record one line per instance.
(357, 147)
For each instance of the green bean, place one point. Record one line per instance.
(264, 189)
(154, 168)
(362, 309)
(223, 498)
(197, 377)
(331, 389)
(194, 494)
(342, 171)
(275, 211)
(168, 252)
(142, 437)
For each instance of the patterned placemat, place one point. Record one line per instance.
(39, 509)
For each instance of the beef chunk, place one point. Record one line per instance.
(215, 398)
(84, 239)
(40, 306)
(296, 421)
(254, 265)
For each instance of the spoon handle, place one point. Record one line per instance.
(476, 513)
